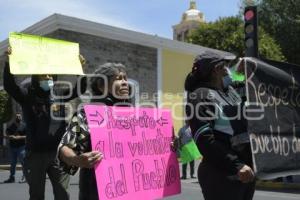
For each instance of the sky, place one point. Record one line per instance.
(147, 16)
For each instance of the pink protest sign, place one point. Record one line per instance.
(138, 160)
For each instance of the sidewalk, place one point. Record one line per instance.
(269, 185)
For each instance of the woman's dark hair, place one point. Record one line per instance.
(108, 70)
(201, 73)
(195, 79)
(35, 81)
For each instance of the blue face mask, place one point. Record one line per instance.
(46, 85)
(227, 80)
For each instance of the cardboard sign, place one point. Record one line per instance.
(273, 117)
(33, 54)
(138, 160)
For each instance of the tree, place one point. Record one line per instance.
(5, 107)
(281, 20)
(227, 34)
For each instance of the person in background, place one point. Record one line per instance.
(43, 131)
(185, 136)
(16, 135)
(226, 168)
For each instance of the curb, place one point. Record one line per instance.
(7, 167)
(269, 185)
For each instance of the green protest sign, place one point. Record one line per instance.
(33, 54)
(189, 152)
(238, 76)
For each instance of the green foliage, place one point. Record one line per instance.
(5, 107)
(281, 19)
(227, 34)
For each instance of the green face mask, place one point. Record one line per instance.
(237, 76)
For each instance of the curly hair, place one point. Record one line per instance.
(108, 70)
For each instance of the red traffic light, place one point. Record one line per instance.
(251, 35)
(249, 15)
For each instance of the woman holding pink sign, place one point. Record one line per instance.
(75, 147)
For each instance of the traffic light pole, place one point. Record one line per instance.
(251, 31)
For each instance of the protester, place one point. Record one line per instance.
(75, 147)
(185, 136)
(16, 135)
(43, 131)
(225, 171)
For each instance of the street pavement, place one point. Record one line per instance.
(190, 190)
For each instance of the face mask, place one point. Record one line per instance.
(227, 80)
(46, 85)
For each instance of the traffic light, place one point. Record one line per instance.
(251, 38)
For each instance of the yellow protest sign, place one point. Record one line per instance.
(33, 54)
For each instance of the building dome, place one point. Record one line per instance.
(192, 14)
(191, 20)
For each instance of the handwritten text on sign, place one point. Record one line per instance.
(275, 138)
(138, 161)
(32, 54)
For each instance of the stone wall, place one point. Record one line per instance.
(141, 61)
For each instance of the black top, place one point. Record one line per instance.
(16, 129)
(42, 129)
(221, 138)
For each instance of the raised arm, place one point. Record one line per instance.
(10, 84)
